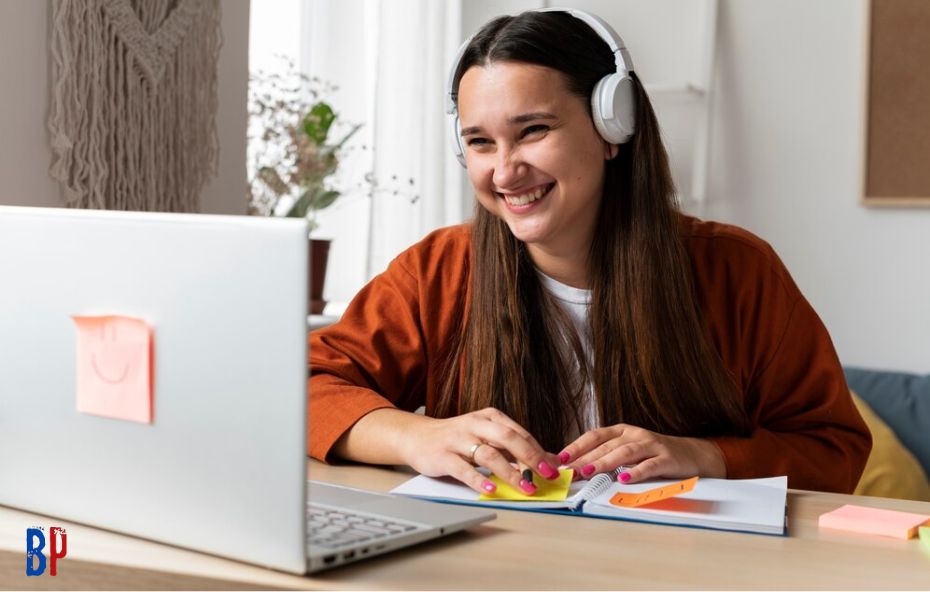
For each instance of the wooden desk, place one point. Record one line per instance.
(519, 550)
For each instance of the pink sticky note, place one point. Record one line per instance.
(114, 367)
(901, 525)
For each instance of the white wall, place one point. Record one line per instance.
(25, 154)
(346, 61)
(786, 165)
(785, 161)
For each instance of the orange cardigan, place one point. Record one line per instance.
(387, 351)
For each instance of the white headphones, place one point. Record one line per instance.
(612, 99)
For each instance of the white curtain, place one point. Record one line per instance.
(390, 59)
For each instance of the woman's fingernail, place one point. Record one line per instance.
(624, 476)
(587, 470)
(527, 487)
(547, 470)
(489, 486)
(564, 457)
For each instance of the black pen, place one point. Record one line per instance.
(527, 474)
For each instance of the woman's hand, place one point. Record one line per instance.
(654, 455)
(487, 438)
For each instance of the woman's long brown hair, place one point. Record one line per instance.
(653, 363)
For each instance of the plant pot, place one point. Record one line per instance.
(319, 254)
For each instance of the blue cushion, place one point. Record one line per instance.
(902, 400)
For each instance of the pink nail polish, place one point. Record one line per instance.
(624, 476)
(489, 486)
(547, 470)
(587, 470)
(564, 457)
(527, 487)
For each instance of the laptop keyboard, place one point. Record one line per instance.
(334, 528)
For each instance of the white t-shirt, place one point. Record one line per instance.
(577, 303)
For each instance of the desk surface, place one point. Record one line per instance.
(519, 550)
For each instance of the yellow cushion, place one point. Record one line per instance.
(891, 471)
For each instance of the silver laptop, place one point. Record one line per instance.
(350, 524)
(215, 459)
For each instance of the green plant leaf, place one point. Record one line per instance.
(318, 121)
(311, 200)
(300, 207)
(323, 199)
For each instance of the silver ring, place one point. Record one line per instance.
(474, 448)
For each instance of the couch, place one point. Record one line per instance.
(896, 407)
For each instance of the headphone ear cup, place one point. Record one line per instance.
(456, 138)
(612, 108)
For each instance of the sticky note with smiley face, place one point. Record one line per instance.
(114, 367)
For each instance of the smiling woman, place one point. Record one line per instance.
(580, 319)
(536, 161)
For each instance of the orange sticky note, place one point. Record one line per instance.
(650, 496)
(114, 367)
(900, 525)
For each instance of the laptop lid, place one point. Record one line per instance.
(221, 468)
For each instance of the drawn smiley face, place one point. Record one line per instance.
(110, 360)
(115, 357)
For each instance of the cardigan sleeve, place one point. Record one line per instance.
(803, 421)
(806, 424)
(392, 344)
(371, 359)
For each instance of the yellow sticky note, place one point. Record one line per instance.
(650, 496)
(114, 367)
(901, 525)
(546, 491)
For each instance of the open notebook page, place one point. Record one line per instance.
(750, 505)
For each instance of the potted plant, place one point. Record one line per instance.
(292, 164)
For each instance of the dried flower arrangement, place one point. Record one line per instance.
(293, 163)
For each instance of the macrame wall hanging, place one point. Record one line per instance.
(134, 100)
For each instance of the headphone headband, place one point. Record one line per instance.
(622, 59)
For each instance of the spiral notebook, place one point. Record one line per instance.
(742, 505)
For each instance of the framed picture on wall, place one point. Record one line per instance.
(896, 147)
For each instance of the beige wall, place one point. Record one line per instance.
(25, 154)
